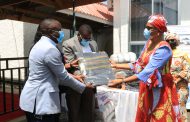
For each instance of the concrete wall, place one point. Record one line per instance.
(17, 38)
(184, 15)
(121, 26)
(13, 39)
(104, 38)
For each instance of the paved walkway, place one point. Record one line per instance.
(23, 119)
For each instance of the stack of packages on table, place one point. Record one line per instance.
(97, 69)
(120, 58)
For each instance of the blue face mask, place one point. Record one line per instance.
(146, 33)
(84, 42)
(61, 36)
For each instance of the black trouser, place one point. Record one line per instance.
(31, 117)
(80, 106)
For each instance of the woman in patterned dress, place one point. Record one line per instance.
(157, 93)
(180, 71)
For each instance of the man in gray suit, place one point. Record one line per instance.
(83, 105)
(40, 95)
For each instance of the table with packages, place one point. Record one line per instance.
(115, 105)
(118, 105)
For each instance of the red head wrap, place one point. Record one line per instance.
(159, 22)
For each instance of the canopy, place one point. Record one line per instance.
(34, 11)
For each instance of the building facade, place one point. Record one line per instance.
(130, 17)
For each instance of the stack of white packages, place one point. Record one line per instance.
(123, 57)
(120, 58)
(106, 108)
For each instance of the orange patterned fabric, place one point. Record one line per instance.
(166, 109)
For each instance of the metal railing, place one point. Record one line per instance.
(12, 79)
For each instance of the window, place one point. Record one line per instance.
(141, 10)
(169, 8)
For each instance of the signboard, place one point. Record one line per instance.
(184, 34)
(96, 67)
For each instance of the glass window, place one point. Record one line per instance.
(141, 10)
(137, 49)
(169, 8)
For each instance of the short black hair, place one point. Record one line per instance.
(45, 25)
(38, 35)
(85, 29)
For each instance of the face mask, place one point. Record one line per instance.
(146, 33)
(84, 42)
(61, 36)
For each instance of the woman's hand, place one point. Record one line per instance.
(183, 74)
(115, 82)
(113, 64)
(177, 80)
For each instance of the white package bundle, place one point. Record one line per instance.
(96, 67)
(123, 57)
(106, 110)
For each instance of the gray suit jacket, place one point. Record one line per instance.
(45, 68)
(71, 46)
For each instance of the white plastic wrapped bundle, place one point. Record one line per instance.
(119, 58)
(106, 110)
(96, 67)
(133, 56)
(123, 57)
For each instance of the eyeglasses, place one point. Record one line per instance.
(87, 37)
(55, 30)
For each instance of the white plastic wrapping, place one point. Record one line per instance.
(123, 57)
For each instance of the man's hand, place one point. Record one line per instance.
(90, 89)
(79, 78)
(89, 85)
(75, 63)
(72, 64)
